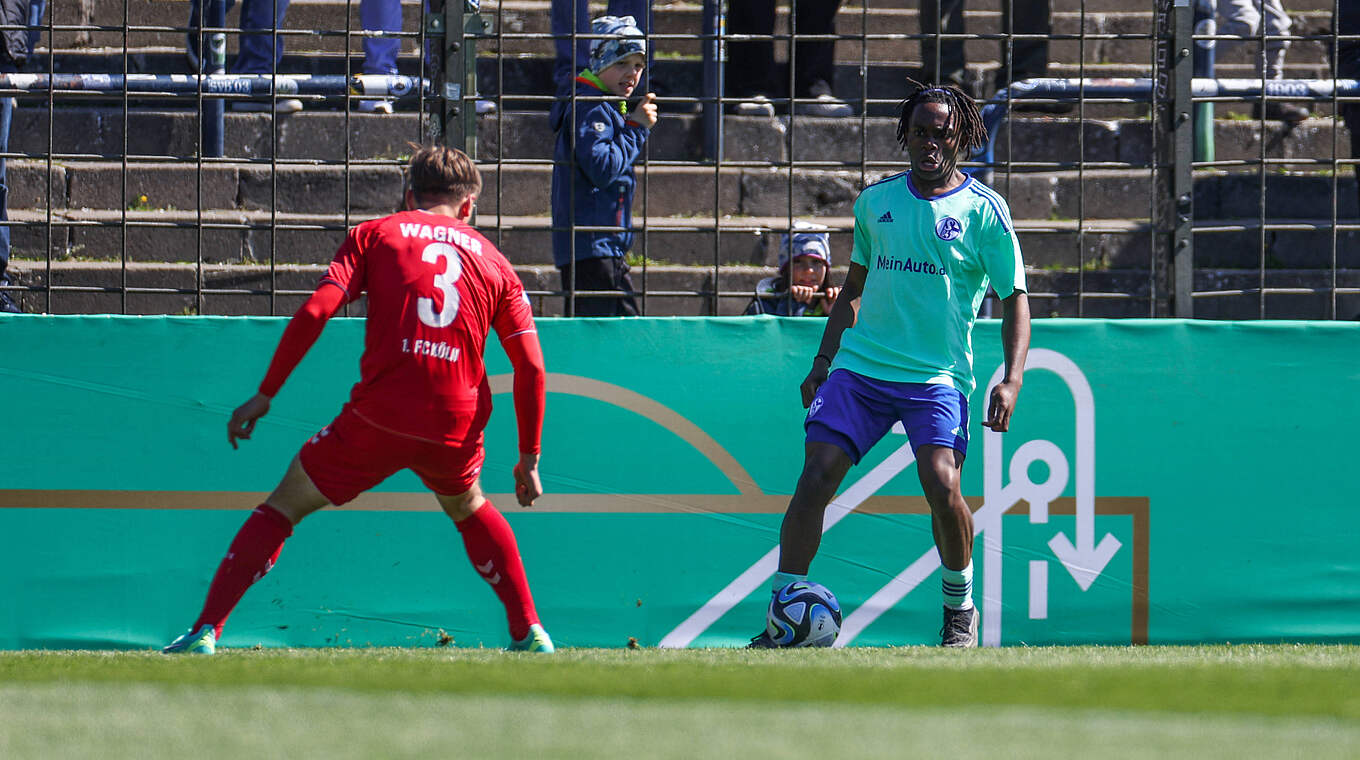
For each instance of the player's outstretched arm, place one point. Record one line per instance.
(527, 485)
(843, 315)
(242, 422)
(302, 331)
(530, 391)
(1015, 345)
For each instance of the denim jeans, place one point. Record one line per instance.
(256, 53)
(380, 53)
(1245, 18)
(6, 117)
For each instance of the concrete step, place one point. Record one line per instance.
(672, 291)
(335, 136)
(246, 237)
(1123, 36)
(1221, 294)
(323, 27)
(664, 190)
(525, 83)
(165, 23)
(169, 12)
(1120, 194)
(234, 237)
(674, 18)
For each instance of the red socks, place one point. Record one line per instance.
(251, 554)
(487, 536)
(492, 549)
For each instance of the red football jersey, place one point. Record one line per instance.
(435, 288)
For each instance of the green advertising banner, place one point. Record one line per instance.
(1163, 482)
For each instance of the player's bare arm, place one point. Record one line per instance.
(302, 331)
(843, 315)
(527, 485)
(242, 422)
(530, 391)
(1015, 345)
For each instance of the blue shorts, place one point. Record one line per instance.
(853, 412)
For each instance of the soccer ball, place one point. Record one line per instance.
(803, 614)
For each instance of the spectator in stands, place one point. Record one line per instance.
(257, 52)
(15, 46)
(598, 142)
(569, 15)
(1244, 19)
(803, 287)
(1021, 59)
(380, 53)
(751, 73)
(1348, 67)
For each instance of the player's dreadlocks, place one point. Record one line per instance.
(964, 115)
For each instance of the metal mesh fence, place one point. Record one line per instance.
(123, 198)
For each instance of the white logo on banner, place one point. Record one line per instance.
(1084, 558)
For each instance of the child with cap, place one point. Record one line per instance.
(598, 141)
(803, 286)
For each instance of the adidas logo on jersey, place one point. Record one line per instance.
(887, 217)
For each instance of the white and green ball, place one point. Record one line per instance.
(803, 614)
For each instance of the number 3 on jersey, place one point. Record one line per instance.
(446, 282)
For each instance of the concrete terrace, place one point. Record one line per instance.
(108, 194)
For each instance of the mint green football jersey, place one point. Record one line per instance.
(930, 262)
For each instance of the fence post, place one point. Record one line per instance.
(212, 54)
(1206, 52)
(474, 25)
(455, 66)
(1174, 246)
(715, 26)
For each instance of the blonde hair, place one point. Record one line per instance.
(438, 170)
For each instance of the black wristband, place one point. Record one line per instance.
(822, 356)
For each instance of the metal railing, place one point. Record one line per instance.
(122, 200)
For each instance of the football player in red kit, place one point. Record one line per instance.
(435, 288)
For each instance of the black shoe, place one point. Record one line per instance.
(1289, 113)
(762, 641)
(960, 628)
(7, 304)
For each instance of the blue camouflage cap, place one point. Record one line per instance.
(805, 239)
(627, 40)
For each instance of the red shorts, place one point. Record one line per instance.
(350, 456)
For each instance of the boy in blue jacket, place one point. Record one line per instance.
(598, 141)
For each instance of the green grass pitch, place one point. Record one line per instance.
(1202, 702)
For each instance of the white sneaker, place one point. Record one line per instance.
(756, 105)
(282, 105)
(375, 106)
(824, 104)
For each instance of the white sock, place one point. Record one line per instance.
(958, 587)
(781, 580)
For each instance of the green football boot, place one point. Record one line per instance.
(202, 641)
(536, 641)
